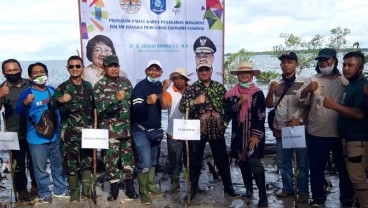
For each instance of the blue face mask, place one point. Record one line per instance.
(245, 85)
(153, 80)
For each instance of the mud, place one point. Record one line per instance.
(214, 197)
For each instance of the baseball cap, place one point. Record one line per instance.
(326, 53)
(154, 62)
(111, 59)
(289, 55)
(203, 65)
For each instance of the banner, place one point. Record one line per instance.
(138, 31)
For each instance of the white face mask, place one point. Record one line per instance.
(41, 80)
(327, 70)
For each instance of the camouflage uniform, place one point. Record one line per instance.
(114, 115)
(75, 115)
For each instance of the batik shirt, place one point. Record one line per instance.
(211, 114)
(113, 114)
(78, 112)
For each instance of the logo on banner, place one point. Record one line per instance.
(97, 15)
(158, 6)
(130, 6)
(177, 6)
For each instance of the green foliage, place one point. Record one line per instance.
(338, 38)
(232, 62)
(266, 76)
(307, 50)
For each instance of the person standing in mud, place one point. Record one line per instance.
(246, 106)
(206, 102)
(32, 103)
(322, 136)
(146, 121)
(289, 112)
(112, 96)
(170, 100)
(75, 101)
(10, 91)
(352, 124)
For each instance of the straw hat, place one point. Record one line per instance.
(246, 67)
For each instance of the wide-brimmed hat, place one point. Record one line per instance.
(179, 72)
(246, 67)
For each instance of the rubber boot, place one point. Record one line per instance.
(87, 185)
(143, 193)
(114, 192)
(247, 179)
(261, 184)
(151, 188)
(175, 185)
(129, 189)
(73, 181)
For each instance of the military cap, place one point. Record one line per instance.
(204, 45)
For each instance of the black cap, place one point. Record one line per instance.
(326, 53)
(288, 55)
(204, 45)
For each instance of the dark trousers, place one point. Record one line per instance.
(319, 153)
(175, 153)
(19, 157)
(218, 148)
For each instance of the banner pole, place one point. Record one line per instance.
(187, 153)
(94, 193)
(11, 166)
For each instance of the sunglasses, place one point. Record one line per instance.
(78, 66)
(204, 69)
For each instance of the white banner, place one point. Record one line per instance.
(293, 137)
(187, 129)
(95, 139)
(9, 141)
(154, 29)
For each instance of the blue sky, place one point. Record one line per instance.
(49, 30)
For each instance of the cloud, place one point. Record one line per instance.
(46, 30)
(49, 30)
(256, 25)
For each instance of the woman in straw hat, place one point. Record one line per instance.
(247, 109)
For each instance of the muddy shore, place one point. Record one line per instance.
(213, 198)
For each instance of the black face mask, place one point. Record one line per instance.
(355, 77)
(13, 77)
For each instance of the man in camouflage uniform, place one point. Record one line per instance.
(113, 95)
(74, 99)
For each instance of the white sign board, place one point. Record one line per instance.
(293, 137)
(187, 129)
(95, 139)
(9, 141)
